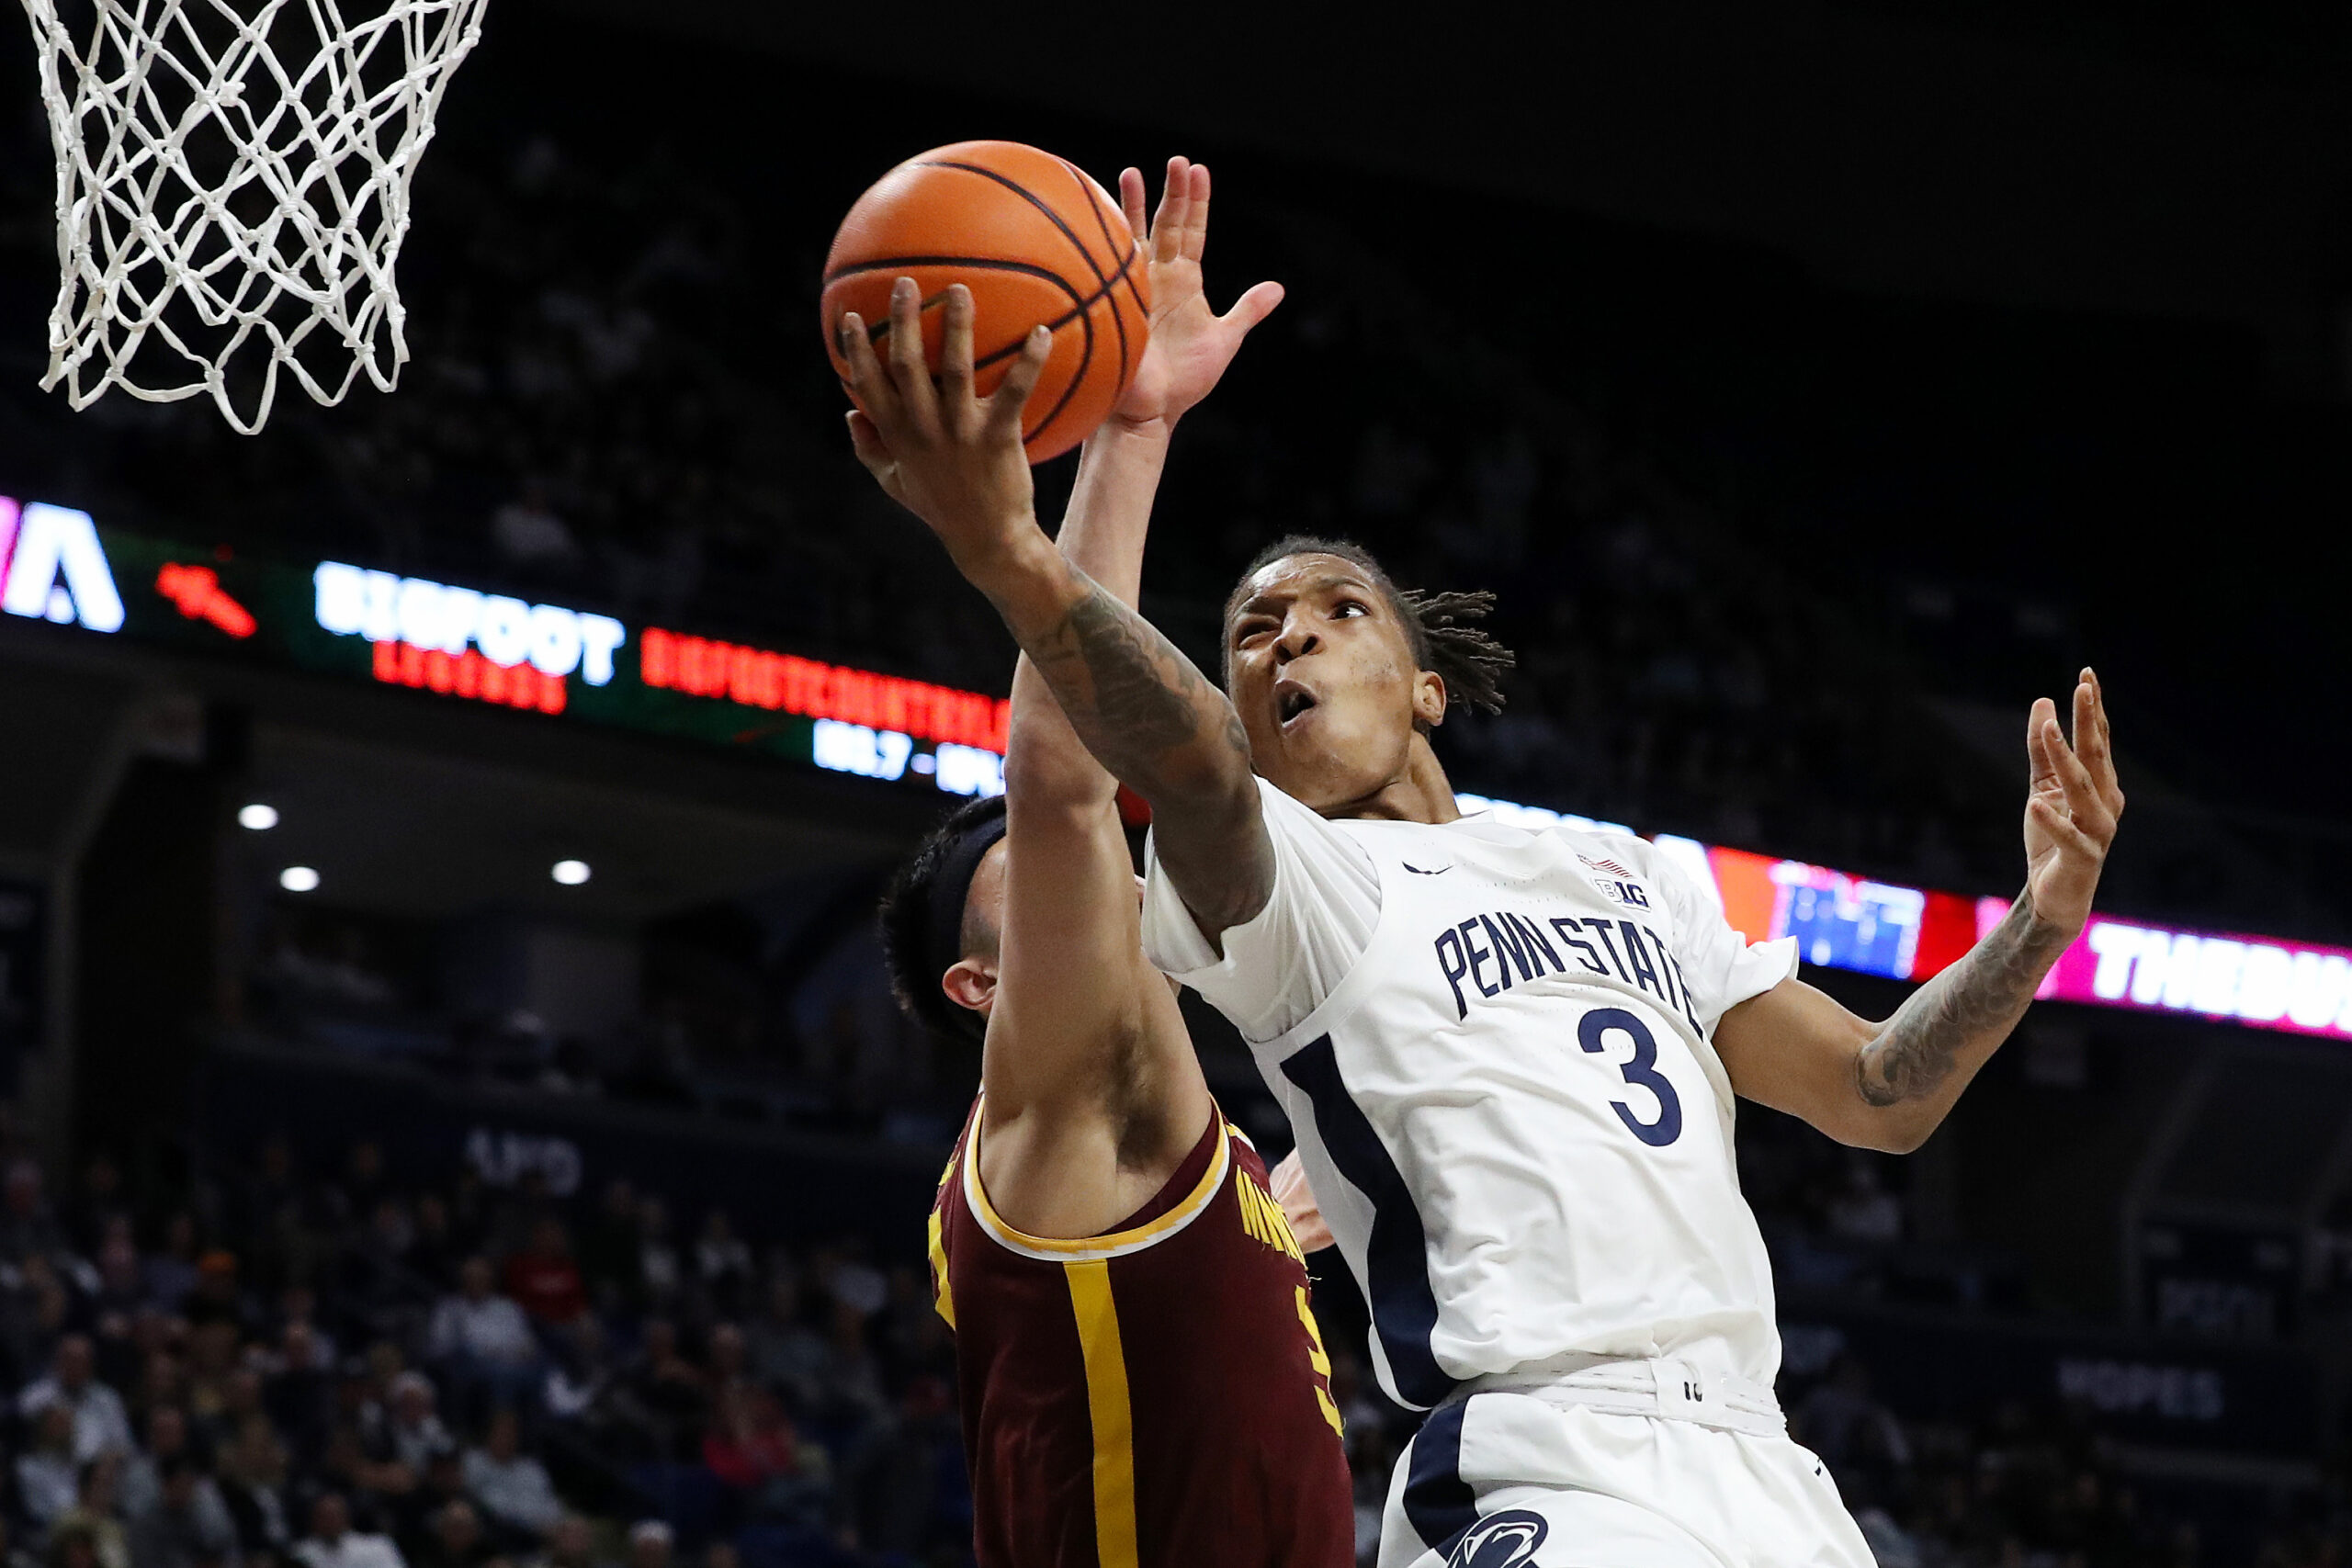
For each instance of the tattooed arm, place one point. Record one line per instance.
(1153, 720)
(1887, 1086)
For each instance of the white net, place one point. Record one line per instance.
(232, 188)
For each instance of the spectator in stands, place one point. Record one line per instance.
(100, 1422)
(784, 1351)
(34, 1308)
(47, 1479)
(143, 1472)
(253, 1487)
(214, 1297)
(299, 1391)
(753, 1450)
(484, 1341)
(668, 1392)
(571, 1544)
(580, 1372)
(542, 1277)
(122, 1289)
(414, 1434)
(657, 1258)
(177, 1529)
(651, 1545)
(456, 1541)
(723, 1264)
(509, 1484)
(96, 1511)
(27, 1228)
(332, 1544)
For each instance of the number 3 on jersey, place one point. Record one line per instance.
(1641, 1071)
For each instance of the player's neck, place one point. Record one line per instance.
(1420, 793)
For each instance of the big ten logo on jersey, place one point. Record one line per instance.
(1615, 883)
(1488, 953)
(502, 1159)
(1506, 1539)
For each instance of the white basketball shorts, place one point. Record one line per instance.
(1507, 1479)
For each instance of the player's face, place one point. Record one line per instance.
(1324, 679)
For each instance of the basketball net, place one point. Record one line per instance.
(232, 188)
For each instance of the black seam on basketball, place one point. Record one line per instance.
(880, 262)
(1086, 195)
(1024, 193)
(877, 330)
(1135, 241)
(1077, 379)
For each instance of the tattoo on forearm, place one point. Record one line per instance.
(1920, 1046)
(1145, 700)
(1150, 718)
(1133, 698)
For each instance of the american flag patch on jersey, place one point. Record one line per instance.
(1611, 866)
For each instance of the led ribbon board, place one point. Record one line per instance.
(1842, 921)
(449, 641)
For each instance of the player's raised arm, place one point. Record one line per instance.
(1887, 1086)
(1141, 709)
(1065, 1037)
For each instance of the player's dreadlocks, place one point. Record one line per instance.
(1439, 625)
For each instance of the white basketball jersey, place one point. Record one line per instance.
(1512, 1116)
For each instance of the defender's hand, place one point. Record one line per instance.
(1190, 345)
(1288, 1180)
(2072, 808)
(951, 458)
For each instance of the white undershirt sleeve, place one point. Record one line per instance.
(1279, 966)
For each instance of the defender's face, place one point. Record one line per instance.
(1323, 676)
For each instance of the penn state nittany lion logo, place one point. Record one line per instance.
(1506, 1539)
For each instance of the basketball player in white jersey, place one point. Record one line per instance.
(1510, 1055)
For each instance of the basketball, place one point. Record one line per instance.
(1036, 241)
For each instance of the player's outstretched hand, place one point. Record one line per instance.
(948, 456)
(2071, 808)
(1191, 343)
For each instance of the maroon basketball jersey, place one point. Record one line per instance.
(1157, 1397)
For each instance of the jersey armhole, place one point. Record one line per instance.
(1117, 1244)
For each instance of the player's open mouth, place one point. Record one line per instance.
(1291, 700)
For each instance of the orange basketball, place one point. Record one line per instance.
(1036, 241)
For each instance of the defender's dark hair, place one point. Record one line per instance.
(1439, 626)
(921, 916)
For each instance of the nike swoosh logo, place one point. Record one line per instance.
(1417, 871)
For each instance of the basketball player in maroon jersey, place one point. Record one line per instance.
(1143, 1383)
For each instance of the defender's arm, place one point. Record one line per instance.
(1887, 1086)
(1090, 1099)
